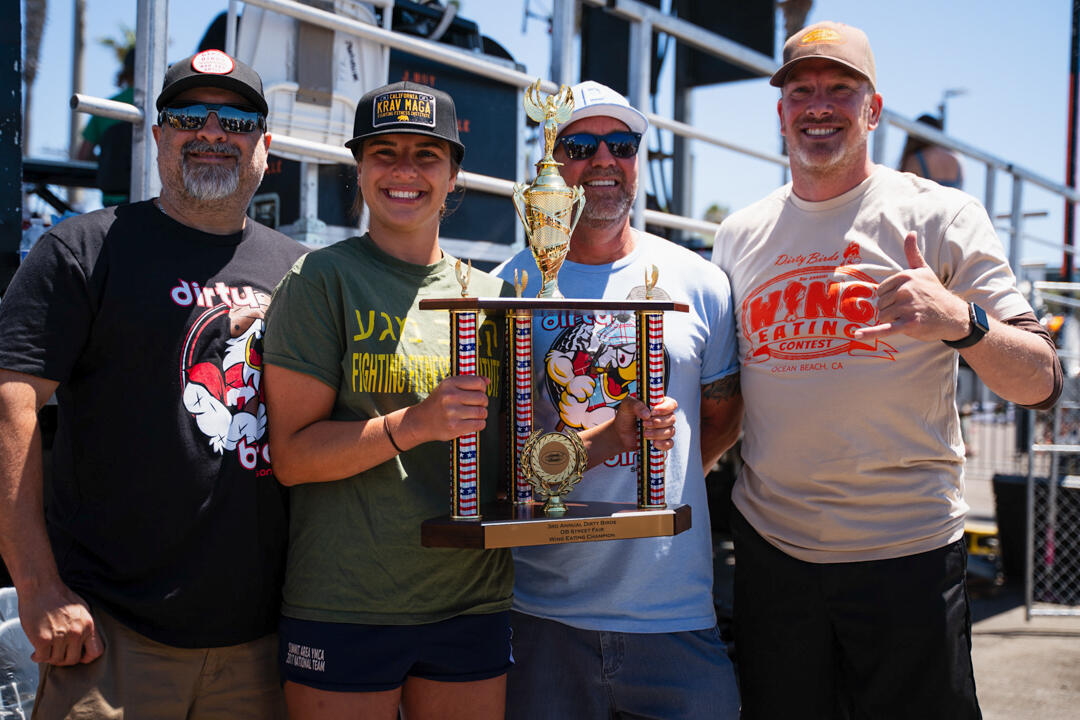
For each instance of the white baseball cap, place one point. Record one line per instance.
(592, 99)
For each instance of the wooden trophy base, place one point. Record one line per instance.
(504, 525)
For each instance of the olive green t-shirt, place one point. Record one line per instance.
(348, 315)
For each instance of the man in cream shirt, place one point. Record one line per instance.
(854, 288)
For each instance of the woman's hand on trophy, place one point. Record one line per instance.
(457, 407)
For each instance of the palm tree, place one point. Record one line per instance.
(35, 12)
(120, 45)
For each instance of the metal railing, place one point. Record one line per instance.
(645, 21)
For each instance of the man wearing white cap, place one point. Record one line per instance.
(626, 628)
(856, 285)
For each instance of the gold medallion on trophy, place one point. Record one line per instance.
(554, 462)
(546, 206)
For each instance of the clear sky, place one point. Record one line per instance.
(1011, 58)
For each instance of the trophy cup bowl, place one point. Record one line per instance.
(546, 206)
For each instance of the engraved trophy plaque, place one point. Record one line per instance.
(542, 467)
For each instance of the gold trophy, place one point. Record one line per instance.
(546, 465)
(552, 462)
(545, 206)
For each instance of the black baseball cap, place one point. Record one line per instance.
(212, 68)
(407, 107)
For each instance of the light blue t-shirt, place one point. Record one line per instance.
(651, 584)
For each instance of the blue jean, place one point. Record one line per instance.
(564, 673)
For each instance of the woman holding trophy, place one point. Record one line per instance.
(363, 407)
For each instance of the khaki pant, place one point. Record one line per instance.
(137, 678)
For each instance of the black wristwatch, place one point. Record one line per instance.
(979, 327)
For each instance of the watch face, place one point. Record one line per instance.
(979, 327)
(978, 318)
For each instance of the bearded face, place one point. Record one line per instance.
(209, 164)
(610, 183)
(826, 115)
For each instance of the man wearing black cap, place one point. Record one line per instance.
(150, 584)
(856, 285)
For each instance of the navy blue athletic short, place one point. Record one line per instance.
(347, 657)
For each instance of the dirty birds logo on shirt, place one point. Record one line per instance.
(811, 312)
(403, 106)
(591, 367)
(222, 388)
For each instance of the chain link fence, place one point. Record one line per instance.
(1053, 582)
(1030, 463)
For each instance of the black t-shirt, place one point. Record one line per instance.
(163, 507)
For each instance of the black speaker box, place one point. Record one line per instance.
(605, 42)
(748, 22)
(605, 48)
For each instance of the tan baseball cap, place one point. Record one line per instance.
(834, 41)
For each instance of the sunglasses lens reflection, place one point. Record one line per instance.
(194, 117)
(581, 146)
(622, 148)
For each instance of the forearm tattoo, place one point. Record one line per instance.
(723, 389)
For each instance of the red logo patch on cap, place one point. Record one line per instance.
(212, 62)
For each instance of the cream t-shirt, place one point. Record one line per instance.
(852, 448)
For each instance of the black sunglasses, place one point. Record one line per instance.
(231, 118)
(581, 146)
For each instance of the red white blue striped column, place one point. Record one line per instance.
(466, 478)
(519, 327)
(651, 461)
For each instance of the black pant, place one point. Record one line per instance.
(875, 639)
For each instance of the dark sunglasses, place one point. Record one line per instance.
(231, 118)
(581, 146)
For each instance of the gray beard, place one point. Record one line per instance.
(210, 182)
(598, 213)
(604, 213)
